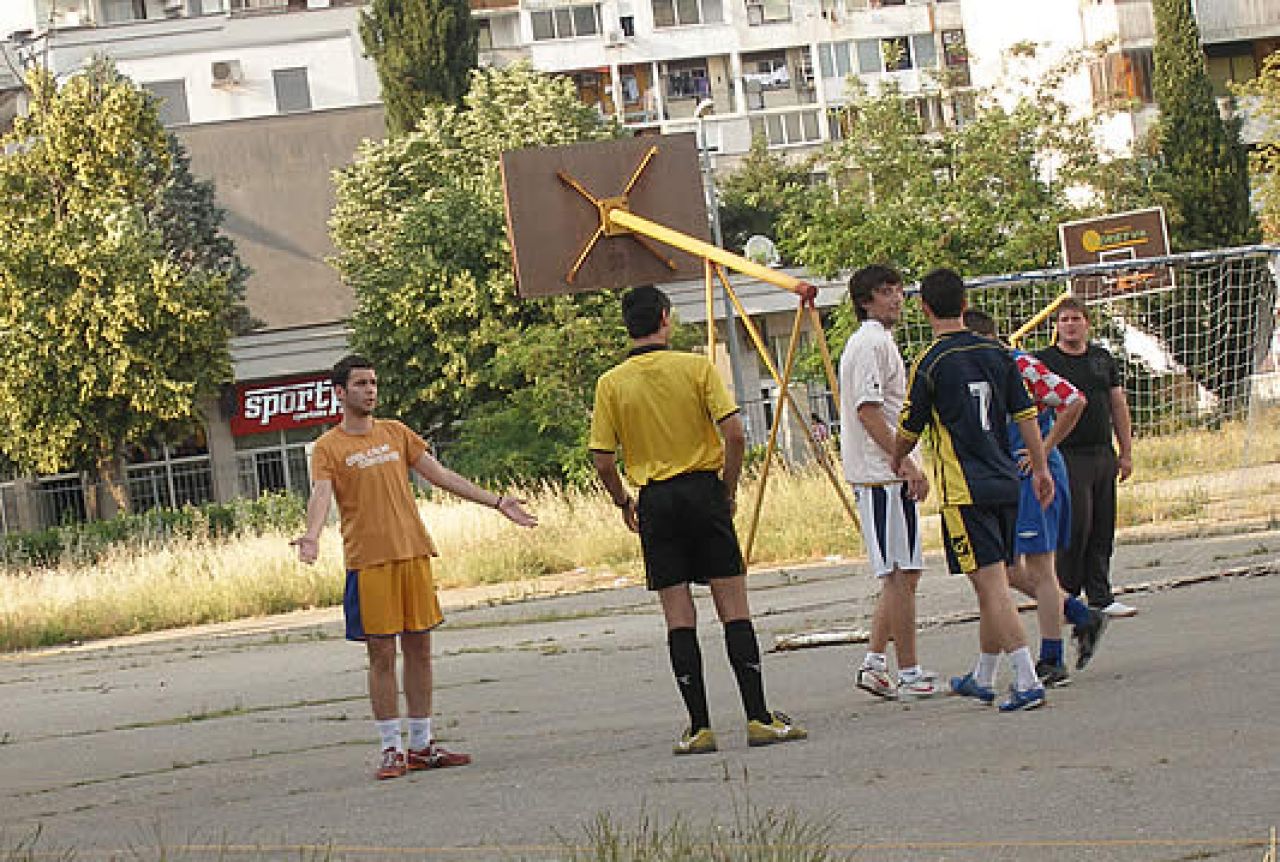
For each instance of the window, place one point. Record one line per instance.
(566, 22)
(1233, 68)
(956, 57)
(840, 121)
(674, 13)
(628, 25)
(687, 81)
(924, 50)
(119, 11)
(833, 59)
(171, 98)
(767, 11)
(1122, 76)
(891, 55)
(897, 54)
(484, 35)
(868, 56)
(928, 111)
(795, 127)
(293, 93)
(767, 73)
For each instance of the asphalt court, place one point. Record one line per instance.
(254, 741)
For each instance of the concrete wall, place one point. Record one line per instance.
(273, 178)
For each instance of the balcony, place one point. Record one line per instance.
(1229, 20)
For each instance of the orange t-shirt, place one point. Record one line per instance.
(370, 476)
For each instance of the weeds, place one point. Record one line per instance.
(190, 579)
(752, 835)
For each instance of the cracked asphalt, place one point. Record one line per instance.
(254, 738)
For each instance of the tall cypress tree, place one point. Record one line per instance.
(1202, 171)
(424, 50)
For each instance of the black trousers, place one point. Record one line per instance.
(1086, 564)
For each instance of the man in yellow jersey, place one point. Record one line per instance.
(365, 462)
(965, 389)
(682, 442)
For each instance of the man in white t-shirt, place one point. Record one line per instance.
(873, 386)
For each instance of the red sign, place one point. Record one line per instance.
(284, 404)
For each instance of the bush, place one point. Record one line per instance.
(81, 544)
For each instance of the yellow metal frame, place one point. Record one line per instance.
(617, 219)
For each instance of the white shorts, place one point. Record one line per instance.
(890, 528)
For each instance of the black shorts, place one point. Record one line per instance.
(979, 535)
(686, 531)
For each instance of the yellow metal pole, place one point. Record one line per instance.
(1039, 318)
(711, 310)
(832, 380)
(684, 242)
(784, 398)
(754, 333)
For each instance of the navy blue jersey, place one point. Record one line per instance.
(966, 388)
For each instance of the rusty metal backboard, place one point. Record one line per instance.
(549, 223)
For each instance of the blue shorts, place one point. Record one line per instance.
(1041, 531)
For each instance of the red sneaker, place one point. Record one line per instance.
(392, 764)
(434, 757)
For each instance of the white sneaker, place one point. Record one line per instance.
(919, 686)
(1120, 609)
(877, 682)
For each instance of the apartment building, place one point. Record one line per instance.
(739, 68)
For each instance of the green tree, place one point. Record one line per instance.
(420, 233)
(107, 336)
(1201, 174)
(424, 51)
(754, 196)
(1263, 93)
(985, 197)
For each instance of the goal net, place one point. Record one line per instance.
(1196, 339)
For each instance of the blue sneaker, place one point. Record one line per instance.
(1028, 699)
(968, 687)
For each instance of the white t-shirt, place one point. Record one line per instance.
(871, 372)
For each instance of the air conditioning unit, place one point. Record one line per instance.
(174, 5)
(614, 38)
(226, 73)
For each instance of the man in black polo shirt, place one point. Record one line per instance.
(668, 412)
(1092, 464)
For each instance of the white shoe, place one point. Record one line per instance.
(877, 682)
(917, 687)
(1120, 609)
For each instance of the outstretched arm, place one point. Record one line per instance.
(442, 477)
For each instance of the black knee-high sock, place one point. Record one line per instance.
(744, 656)
(686, 663)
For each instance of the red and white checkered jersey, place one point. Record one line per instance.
(1048, 390)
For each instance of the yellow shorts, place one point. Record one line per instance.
(390, 599)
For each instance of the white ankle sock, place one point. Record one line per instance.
(419, 733)
(984, 672)
(389, 731)
(877, 660)
(1024, 669)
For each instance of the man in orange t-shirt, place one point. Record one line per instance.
(365, 463)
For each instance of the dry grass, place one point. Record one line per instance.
(1189, 479)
